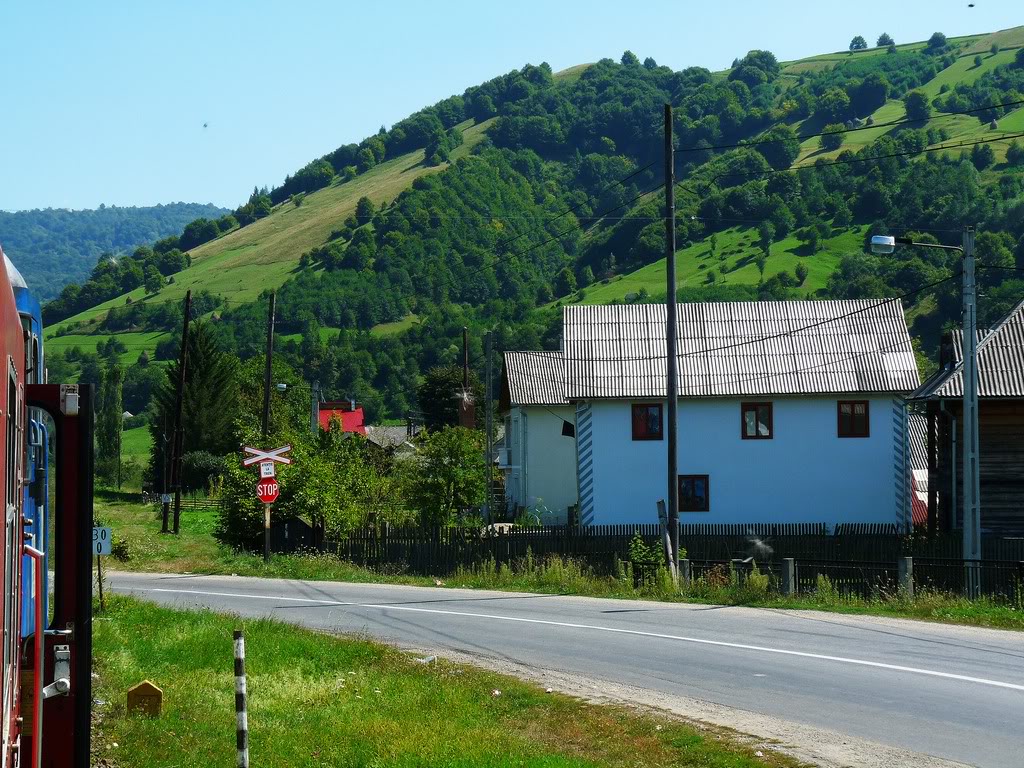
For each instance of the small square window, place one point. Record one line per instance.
(756, 421)
(853, 418)
(647, 421)
(694, 493)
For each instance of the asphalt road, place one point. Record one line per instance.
(951, 692)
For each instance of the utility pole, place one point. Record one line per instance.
(489, 425)
(972, 490)
(314, 408)
(179, 432)
(266, 415)
(671, 380)
(467, 411)
(268, 370)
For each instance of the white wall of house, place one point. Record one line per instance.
(540, 462)
(805, 473)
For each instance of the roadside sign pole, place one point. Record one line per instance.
(99, 580)
(266, 533)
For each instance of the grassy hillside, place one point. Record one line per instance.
(245, 262)
(737, 249)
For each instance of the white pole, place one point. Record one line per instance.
(972, 491)
(241, 714)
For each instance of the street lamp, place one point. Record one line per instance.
(884, 244)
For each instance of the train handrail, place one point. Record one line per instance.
(38, 558)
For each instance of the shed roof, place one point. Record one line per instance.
(1000, 364)
(535, 378)
(740, 349)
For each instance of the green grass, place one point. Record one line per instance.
(136, 443)
(963, 71)
(326, 334)
(739, 245)
(135, 342)
(243, 263)
(196, 551)
(395, 328)
(328, 701)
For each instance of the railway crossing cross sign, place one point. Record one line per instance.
(258, 456)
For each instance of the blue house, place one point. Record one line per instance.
(789, 412)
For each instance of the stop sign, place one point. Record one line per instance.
(267, 490)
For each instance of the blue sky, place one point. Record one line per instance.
(104, 102)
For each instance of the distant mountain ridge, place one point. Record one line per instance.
(56, 246)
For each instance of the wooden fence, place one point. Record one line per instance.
(441, 551)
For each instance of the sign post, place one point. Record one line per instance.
(267, 488)
(100, 546)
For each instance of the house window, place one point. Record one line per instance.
(756, 421)
(647, 422)
(694, 493)
(853, 418)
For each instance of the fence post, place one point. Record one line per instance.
(241, 717)
(905, 576)
(684, 572)
(788, 576)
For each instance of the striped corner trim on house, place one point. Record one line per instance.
(901, 465)
(585, 461)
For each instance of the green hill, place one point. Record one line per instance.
(56, 246)
(485, 208)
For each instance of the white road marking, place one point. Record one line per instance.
(598, 628)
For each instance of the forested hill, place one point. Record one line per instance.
(57, 246)
(492, 208)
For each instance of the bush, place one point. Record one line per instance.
(832, 137)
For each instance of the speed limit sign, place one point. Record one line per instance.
(101, 541)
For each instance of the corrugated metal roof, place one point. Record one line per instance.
(1000, 364)
(917, 428)
(739, 349)
(535, 378)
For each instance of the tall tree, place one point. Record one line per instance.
(209, 400)
(439, 394)
(858, 43)
(109, 421)
(885, 40)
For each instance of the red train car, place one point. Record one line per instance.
(46, 677)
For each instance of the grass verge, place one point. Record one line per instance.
(196, 551)
(327, 701)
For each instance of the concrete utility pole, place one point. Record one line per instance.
(488, 426)
(314, 408)
(178, 441)
(671, 381)
(972, 489)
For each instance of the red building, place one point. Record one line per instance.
(348, 412)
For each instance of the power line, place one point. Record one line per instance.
(763, 339)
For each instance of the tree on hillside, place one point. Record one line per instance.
(629, 59)
(198, 232)
(936, 42)
(364, 210)
(885, 40)
(650, 63)
(565, 284)
(833, 106)
(766, 236)
(365, 160)
(982, 156)
(832, 136)
(154, 281)
(870, 94)
(755, 68)
(439, 394)
(779, 146)
(994, 49)
(1015, 155)
(858, 44)
(917, 106)
(801, 273)
(1018, 59)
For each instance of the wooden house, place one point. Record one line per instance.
(1000, 429)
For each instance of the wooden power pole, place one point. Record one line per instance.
(467, 411)
(178, 440)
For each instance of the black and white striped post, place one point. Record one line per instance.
(242, 719)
